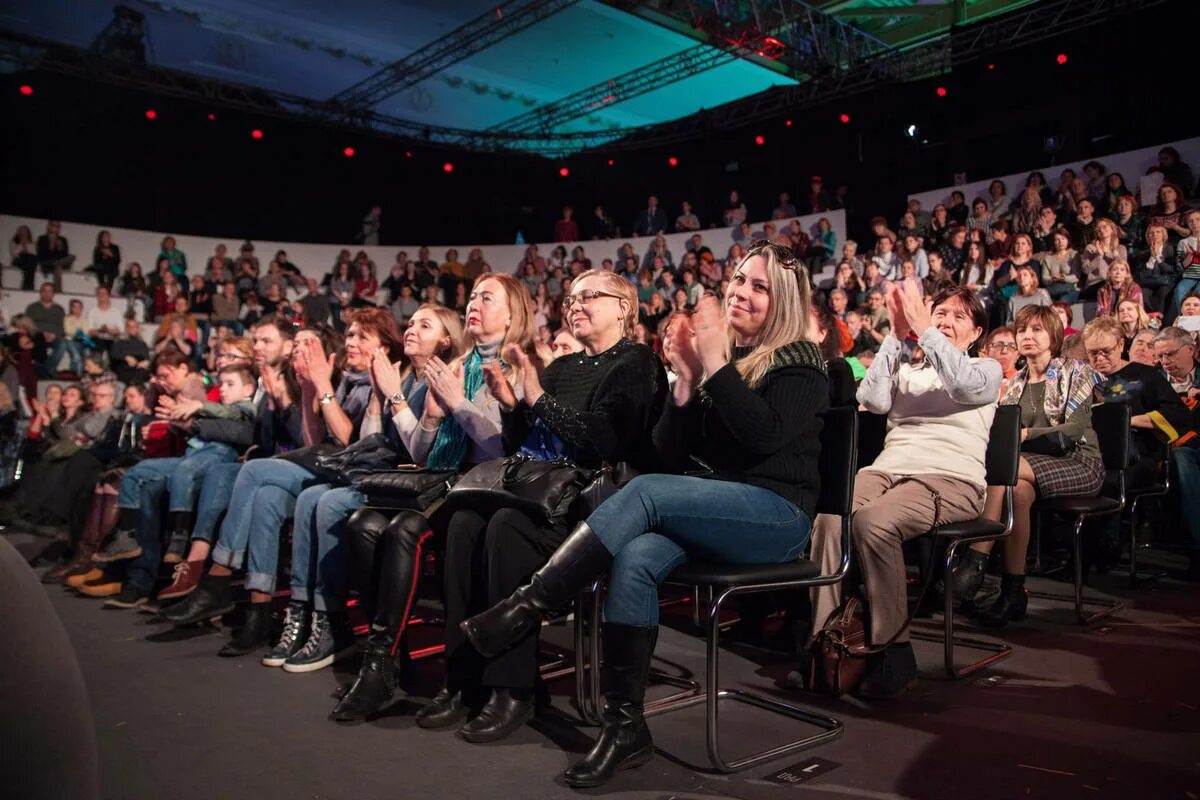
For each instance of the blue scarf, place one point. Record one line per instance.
(450, 447)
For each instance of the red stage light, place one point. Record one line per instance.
(151, 113)
(27, 90)
(760, 141)
(788, 123)
(1061, 58)
(941, 91)
(673, 161)
(212, 117)
(256, 134)
(348, 152)
(845, 118)
(991, 66)
(611, 162)
(408, 153)
(447, 168)
(564, 172)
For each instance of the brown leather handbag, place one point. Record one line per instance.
(840, 650)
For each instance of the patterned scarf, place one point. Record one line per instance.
(1069, 384)
(450, 447)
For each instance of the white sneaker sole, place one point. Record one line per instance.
(274, 661)
(311, 666)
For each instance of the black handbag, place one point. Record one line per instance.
(546, 490)
(374, 453)
(1053, 443)
(407, 486)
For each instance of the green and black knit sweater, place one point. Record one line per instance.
(768, 437)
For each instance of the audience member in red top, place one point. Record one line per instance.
(566, 229)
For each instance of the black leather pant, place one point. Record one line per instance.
(487, 559)
(385, 568)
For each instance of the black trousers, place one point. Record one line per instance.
(487, 559)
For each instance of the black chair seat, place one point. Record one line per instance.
(970, 528)
(703, 573)
(1079, 505)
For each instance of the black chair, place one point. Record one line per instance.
(1003, 461)
(838, 465)
(1111, 421)
(1161, 488)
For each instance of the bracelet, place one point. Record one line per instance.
(397, 398)
(326, 398)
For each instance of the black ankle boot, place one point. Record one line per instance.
(179, 539)
(968, 575)
(445, 709)
(889, 674)
(576, 562)
(503, 714)
(254, 634)
(1010, 605)
(212, 598)
(375, 685)
(624, 741)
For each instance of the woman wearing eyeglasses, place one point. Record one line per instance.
(1060, 454)
(593, 408)
(1001, 346)
(1158, 415)
(747, 407)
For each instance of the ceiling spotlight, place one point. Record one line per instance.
(845, 119)
(564, 172)
(256, 134)
(348, 152)
(151, 113)
(447, 168)
(911, 131)
(1061, 59)
(941, 91)
(673, 161)
(26, 90)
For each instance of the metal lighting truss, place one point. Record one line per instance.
(807, 39)
(487, 29)
(1032, 23)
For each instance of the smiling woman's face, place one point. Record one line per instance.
(748, 301)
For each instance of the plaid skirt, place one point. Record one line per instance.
(1061, 476)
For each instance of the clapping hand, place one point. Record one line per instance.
(445, 384)
(166, 405)
(680, 348)
(318, 366)
(895, 307)
(916, 310)
(499, 386)
(531, 382)
(710, 336)
(385, 376)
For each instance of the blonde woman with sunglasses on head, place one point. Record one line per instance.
(748, 405)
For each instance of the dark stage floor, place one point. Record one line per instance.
(1110, 711)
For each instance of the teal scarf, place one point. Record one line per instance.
(450, 447)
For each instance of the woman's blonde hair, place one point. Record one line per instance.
(620, 287)
(241, 344)
(1143, 319)
(787, 316)
(1104, 325)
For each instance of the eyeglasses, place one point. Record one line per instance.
(1165, 356)
(585, 298)
(1105, 352)
(1002, 347)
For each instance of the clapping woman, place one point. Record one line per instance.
(748, 403)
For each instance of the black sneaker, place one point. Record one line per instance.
(130, 597)
(328, 638)
(889, 674)
(122, 546)
(296, 623)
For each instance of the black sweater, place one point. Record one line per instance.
(768, 437)
(602, 407)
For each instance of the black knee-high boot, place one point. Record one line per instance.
(624, 741)
(400, 550)
(576, 562)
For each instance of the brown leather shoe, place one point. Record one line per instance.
(187, 578)
(103, 586)
(81, 562)
(80, 578)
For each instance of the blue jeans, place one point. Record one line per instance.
(75, 356)
(215, 493)
(657, 522)
(1187, 471)
(181, 476)
(264, 495)
(1182, 289)
(319, 573)
(54, 354)
(1062, 291)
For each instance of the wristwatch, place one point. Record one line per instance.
(397, 398)
(326, 398)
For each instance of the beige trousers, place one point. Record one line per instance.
(888, 511)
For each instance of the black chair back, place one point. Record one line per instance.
(1003, 459)
(1111, 422)
(839, 461)
(872, 430)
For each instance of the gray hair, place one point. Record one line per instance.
(1175, 335)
